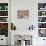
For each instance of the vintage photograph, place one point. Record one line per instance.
(23, 14)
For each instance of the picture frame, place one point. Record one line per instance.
(23, 14)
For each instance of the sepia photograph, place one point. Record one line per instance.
(23, 14)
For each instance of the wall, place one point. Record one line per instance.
(23, 24)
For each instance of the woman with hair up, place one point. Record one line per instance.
(13, 27)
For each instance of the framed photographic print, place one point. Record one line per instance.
(23, 14)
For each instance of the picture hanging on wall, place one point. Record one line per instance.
(23, 14)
